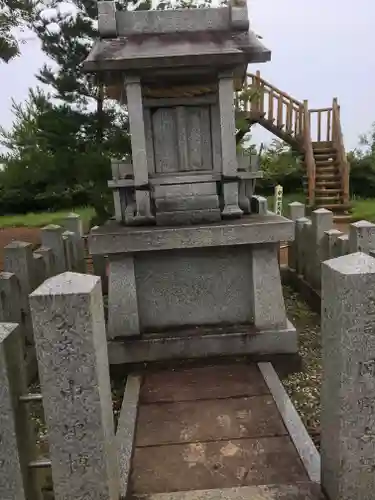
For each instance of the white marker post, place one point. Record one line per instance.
(278, 200)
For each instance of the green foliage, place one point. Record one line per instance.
(280, 165)
(13, 14)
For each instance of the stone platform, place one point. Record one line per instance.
(214, 432)
(195, 291)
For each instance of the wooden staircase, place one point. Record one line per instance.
(314, 133)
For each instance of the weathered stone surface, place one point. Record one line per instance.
(73, 223)
(197, 344)
(259, 205)
(16, 440)
(171, 204)
(123, 318)
(185, 190)
(342, 245)
(126, 429)
(195, 287)
(296, 210)
(48, 258)
(156, 22)
(361, 236)
(72, 355)
(347, 421)
(107, 19)
(330, 246)
(299, 254)
(18, 259)
(183, 217)
(321, 221)
(52, 237)
(115, 238)
(39, 270)
(10, 299)
(266, 295)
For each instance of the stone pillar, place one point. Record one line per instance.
(298, 242)
(48, 258)
(18, 259)
(348, 405)
(10, 299)
(267, 296)
(321, 221)
(68, 238)
(307, 250)
(296, 211)
(70, 338)
(138, 143)
(17, 482)
(330, 249)
(228, 147)
(39, 270)
(123, 319)
(343, 245)
(52, 237)
(361, 237)
(73, 223)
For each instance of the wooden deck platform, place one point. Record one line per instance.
(216, 432)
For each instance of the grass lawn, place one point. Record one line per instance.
(41, 219)
(362, 209)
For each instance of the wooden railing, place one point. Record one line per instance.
(303, 125)
(341, 154)
(281, 109)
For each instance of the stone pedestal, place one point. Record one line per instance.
(195, 290)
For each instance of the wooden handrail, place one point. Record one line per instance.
(309, 153)
(275, 89)
(339, 144)
(298, 123)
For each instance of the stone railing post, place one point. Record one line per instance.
(298, 243)
(69, 330)
(52, 237)
(17, 447)
(348, 405)
(73, 223)
(361, 237)
(321, 221)
(18, 260)
(296, 211)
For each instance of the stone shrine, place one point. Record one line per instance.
(193, 267)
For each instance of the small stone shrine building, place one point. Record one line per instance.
(192, 252)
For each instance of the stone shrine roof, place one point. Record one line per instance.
(145, 40)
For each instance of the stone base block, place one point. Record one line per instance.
(172, 204)
(210, 342)
(182, 217)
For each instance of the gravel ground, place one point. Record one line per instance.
(304, 387)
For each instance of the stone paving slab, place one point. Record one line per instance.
(207, 382)
(223, 464)
(300, 491)
(208, 420)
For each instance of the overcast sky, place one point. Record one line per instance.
(320, 49)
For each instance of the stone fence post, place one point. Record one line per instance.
(296, 211)
(348, 404)
(17, 443)
(69, 330)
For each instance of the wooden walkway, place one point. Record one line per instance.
(216, 432)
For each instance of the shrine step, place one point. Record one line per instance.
(302, 491)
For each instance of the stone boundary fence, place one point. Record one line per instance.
(62, 249)
(317, 240)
